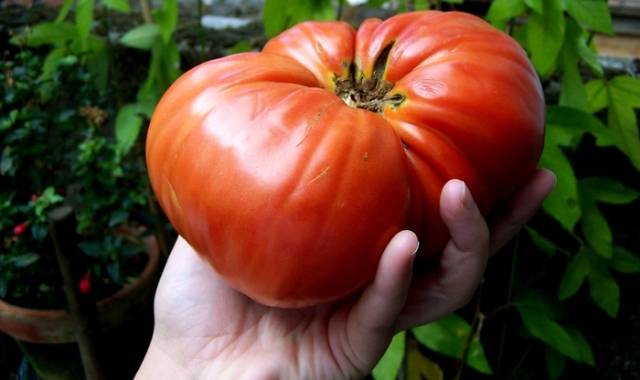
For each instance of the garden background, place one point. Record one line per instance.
(80, 80)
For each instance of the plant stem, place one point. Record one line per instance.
(507, 305)
(410, 5)
(476, 327)
(146, 11)
(340, 10)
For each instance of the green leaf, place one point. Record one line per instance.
(589, 56)
(536, 5)
(142, 37)
(39, 231)
(621, 117)
(84, 19)
(544, 244)
(562, 204)
(117, 5)
(624, 261)
(607, 190)
(545, 34)
(98, 62)
(544, 328)
(593, 14)
(275, 19)
(597, 97)
(115, 272)
(574, 275)
(167, 18)
(389, 364)
(448, 336)
(569, 125)
(582, 345)
(622, 121)
(572, 91)
(46, 33)
(117, 217)
(281, 14)
(555, 362)
(502, 10)
(7, 163)
(420, 5)
(50, 64)
(128, 124)
(240, 47)
(92, 248)
(604, 290)
(25, 260)
(64, 10)
(595, 227)
(628, 89)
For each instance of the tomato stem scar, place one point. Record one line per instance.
(372, 94)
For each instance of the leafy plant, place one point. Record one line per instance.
(54, 150)
(154, 36)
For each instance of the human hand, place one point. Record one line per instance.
(205, 329)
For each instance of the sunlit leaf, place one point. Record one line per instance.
(502, 10)
(419, 367)
(593, 14)
(545, 34)
(562, 204)
(142, 37)
(448, 336)
(389, 364)
(117, 5)
(624, 95)
(128, 124)
(46, 33)
(597, 98)
(84, 19)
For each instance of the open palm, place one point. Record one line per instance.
(205, 329)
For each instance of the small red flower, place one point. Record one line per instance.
(84, 286)
(20, 229)
(34, 198)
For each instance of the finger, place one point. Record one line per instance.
(521, 208)
(372, 319)
(464, 259)
(459, 212)
(462, 263)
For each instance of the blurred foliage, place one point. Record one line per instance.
(586, 105)
(60, 149)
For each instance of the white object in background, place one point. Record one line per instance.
(224, 22)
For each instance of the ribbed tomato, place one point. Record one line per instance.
(289, 170)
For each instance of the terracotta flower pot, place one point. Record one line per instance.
(56, 325)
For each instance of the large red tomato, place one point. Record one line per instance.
(289, 170)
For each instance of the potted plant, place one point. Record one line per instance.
(57, 147)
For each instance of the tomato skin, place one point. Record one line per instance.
(292, 195)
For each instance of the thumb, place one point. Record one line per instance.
(371, 322)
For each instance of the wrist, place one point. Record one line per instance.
(159, 364)
(165, 361)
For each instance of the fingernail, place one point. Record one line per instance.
(415, 251)
(463, 194)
